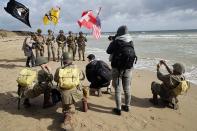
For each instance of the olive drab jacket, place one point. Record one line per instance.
(81, 40)
(169, 81)
(50, 39)
(70, 39)
(61, 40)
(40, 41)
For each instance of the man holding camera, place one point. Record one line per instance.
(169, 82)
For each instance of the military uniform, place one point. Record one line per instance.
(81, 46)
(39, 45)
(71, 45)
(50, 46)
(61, 40)
(165, 89)
(42, 86)
(69, 96)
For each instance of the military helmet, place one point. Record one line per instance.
(39, 31)
(61, 31)
(179, 68)
(67, 56)
(41, 60)
(70, 32)
(49, 30)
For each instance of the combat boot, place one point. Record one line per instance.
(26, 103)
(68, 121)
(154, 100)
(174, 104)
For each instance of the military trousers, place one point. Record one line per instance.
(72, 49)
(39, 51)
(81, 52)
(37, 90)
(51, 48)
(60, 51)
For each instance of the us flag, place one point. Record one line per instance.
(97, 28)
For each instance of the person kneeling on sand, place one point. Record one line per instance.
(98, 74)
(68, 79)
(43, 85)
(166, 90)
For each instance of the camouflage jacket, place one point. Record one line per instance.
(81, 40)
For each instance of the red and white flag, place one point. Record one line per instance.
(87, 20)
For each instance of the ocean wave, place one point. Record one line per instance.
(146, 63)
(165, 36)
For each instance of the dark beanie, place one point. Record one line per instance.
(122, 30)
(91, 57)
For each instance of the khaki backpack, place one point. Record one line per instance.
(26, 77)
(69, 78)
(182, 88)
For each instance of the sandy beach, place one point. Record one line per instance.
(143, 115)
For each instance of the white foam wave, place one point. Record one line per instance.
(165, 36)
(146, 63)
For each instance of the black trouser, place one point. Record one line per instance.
(32, 59)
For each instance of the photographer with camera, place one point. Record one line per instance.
(28, 46)
(169, 82)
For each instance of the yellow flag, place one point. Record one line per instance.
(55, 14)
(46, 20)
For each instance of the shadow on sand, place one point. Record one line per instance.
(9, 105)
(14, 60)
(100, 109)
(10, 64)
(138, 102)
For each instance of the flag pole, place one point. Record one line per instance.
(99, 11)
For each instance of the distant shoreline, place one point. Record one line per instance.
(24, 33)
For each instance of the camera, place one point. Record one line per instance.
(111, 38)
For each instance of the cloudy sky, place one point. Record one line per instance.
(136, 14)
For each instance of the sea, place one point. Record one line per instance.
(152, 46)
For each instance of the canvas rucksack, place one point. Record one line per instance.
(69, 77)
(26, 77)
(181, 88)
(124, 57)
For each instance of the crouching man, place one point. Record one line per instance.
(98, 74)
(170, 82)
(43, 84)
(68, 79)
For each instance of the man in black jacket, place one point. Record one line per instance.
(98, 74)
(123, 57)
